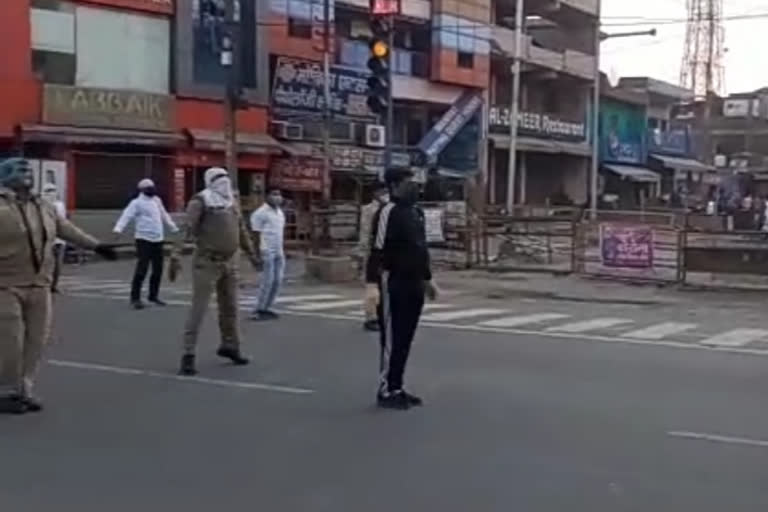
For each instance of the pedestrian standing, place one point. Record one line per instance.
(367, 214)
(215, 224)
(268, 226)
(29, 226)
(398, 277)
(51, 194)
(150, 217)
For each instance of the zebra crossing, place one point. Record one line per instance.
(513, 317)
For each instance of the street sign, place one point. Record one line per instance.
(385, 7)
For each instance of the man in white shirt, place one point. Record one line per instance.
(51, 194)
(268, 225)
(149, 217)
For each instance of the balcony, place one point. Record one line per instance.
(409, 63)
(570, 62)
(564, 11)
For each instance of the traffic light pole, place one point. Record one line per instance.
(326, 98)
(390, 120)
(230, 96)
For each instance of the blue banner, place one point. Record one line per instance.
(674, 142)
(450, 124)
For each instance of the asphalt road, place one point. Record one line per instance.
(512, 422)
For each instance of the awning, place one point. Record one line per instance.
(80, 135)
(250, 143)
(535, 145)
(636, 174)
(682, 164)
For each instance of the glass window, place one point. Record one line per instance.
(466, 60)
(54, 67)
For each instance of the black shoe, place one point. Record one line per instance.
(396, 400)
(33, 404)
(266, 314)
(188, 365)
(13, 405)
(413, 400)
(137, 305)
(233, 355)
(157, 302)
(371, 325)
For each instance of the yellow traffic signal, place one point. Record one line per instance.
(380, 49)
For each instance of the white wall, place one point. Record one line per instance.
(119, 50)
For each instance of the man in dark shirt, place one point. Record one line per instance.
(398, 276)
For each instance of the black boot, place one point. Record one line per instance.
(188, 365)
(13, 405)
(33, 404)
(234, 355)
(371, 325)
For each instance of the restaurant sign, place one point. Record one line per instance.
(107, 108)
(534, 124)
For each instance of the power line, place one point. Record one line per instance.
(681, 21)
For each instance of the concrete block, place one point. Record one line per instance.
(331, 269)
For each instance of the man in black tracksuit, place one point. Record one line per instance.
(398, 276)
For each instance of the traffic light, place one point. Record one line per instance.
(380, 81)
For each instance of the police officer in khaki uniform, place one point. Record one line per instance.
(29, 227)
(214, 221)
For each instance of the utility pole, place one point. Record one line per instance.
(327, 113)
(390, 124)
(595, 167)
(514, 108)
(230, 60)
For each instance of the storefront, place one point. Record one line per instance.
(686, 180)
(626, 183)
(552, 161)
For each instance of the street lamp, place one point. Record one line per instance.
(599, 38)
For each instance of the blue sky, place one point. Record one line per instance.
(746, 41)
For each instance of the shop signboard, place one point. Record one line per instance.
(623, 246)
(298, 174)
(107, 108)
(622, 133)
(433, 225)
(537, 124)
(675, 142)
(299, 88)
(454, 119)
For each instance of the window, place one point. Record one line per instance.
(54, 67)
(299, 28)
(466, 60)
(52, 5)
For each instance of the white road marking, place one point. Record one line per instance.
(736, 338)
(659, 331)
(516, 321)
(199, 380)
(546, 334)
(461, 314)
(287, 299)
(326, 305)
(589, 325)
(427, 307)
(716, 438)
(100, 286)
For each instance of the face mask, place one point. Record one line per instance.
(383, 199)
(223, 187)
(50, 196)
(275, 201)
(149, 192)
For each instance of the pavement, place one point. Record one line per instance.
(575, 418)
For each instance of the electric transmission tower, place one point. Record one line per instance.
(702, 70)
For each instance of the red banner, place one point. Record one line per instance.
(158, 6)
(297, 174)
(381, 7)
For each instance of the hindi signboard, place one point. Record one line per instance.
(626, 246)
(299, 174)
(433, 225)
(299, 87)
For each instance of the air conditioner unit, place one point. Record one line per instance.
(287, 131)
(375, 136)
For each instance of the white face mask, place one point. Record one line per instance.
(384, 199)
(50, 196)
(223, 187)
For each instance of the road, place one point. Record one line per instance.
(529, 420)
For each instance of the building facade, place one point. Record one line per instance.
(101, 93)
(558, 70)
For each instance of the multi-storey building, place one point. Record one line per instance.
(100, 93)
(441, 58)
(558, 65)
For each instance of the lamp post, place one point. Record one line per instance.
(514, 107)
(595, 167)
(229, 61)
